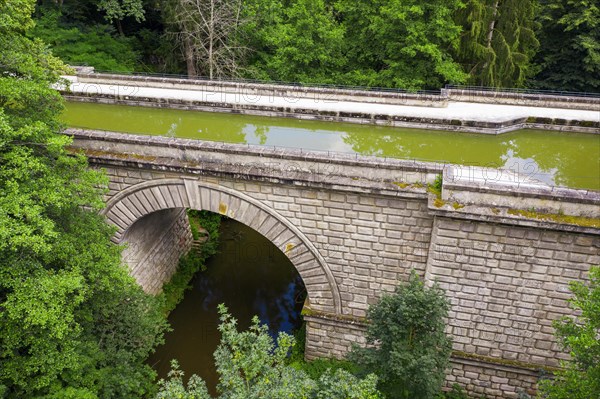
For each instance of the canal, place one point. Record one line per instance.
(556, 158)
(251, 276)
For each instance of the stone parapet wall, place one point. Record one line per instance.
(255, 90)
(355, 172)
(333, 94)
(568, 101)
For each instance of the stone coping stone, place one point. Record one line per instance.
(509, 183)
(281, 89)
(258, 151)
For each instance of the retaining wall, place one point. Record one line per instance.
(568, 101)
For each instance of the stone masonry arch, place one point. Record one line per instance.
(139, 200)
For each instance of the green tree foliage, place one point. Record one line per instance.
(252, 366)
(174, 387)
(95, 45)
(400, 43)
(117, 10)
(407, 44)
(569, 55)
(73, 324)
(580, 378)
(297, 41)
(498, 41)
(409, 350)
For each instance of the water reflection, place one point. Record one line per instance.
(252, 277)
(569, 159)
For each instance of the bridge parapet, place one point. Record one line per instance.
(252, 162)
(264, 89)
(487, 95)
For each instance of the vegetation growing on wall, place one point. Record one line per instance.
(580, 378)
(194, 261)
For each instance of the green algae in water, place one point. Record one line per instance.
(565, 159)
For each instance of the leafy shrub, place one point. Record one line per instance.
(252, 366)
(408, 348)
(94, 45)
(580, 378)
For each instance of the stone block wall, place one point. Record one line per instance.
(326, 337)
(369, 243)
(155, 244)
(507, 284)
(492, 381)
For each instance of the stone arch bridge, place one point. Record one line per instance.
(354, 226)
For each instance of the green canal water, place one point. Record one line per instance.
(564, 159)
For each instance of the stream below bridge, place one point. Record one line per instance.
(251, 276)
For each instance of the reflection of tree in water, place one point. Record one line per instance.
(213, 127)
(261, 132)
(252, 277)
(572, 158)
(434, 146)
(568, 158)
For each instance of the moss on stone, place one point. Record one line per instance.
(308, 312)
(504, 362)
(557, 217)
(438, 202)
(457, 205)
(401, 184)
(404, 185)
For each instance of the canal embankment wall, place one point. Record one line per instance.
(344, 105)
(584, 101)
(503, 248)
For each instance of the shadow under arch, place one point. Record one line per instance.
(139, 200)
